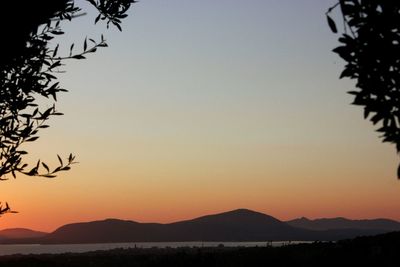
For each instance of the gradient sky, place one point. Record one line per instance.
(200, 107)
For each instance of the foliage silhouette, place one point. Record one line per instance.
(27, 68)
(370, 45)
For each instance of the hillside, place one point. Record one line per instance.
(232, 226)
(343, 223)
(20, 233)
(237, 225)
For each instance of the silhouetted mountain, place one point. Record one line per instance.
(236, 225)
(20, 233)
(384, 225)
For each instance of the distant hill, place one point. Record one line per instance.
(383, 225)
(236, 225)
(20, 233)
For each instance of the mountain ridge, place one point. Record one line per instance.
(20, 233)
(235, 225)
(344, 223)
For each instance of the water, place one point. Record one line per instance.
(77, 248)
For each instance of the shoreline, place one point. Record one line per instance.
(380, 250)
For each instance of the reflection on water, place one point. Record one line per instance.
(64, 248)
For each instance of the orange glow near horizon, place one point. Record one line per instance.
(48, 204)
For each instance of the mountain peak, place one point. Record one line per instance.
(303, 219)
(238, 217)
(243, 211)
(344, 223)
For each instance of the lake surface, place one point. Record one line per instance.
(64, 248)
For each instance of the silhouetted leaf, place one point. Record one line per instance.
(60, 160)
(366, 112)
(45, 166)
(118, 26)
(57, 32)
(55, 51)
(78, 57)
(49, 175)
(331, 24)
(97, 19)
(70, 49)
(347, 72)
(55, 64)
(32, 139)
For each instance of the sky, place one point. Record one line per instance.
(200, 107)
